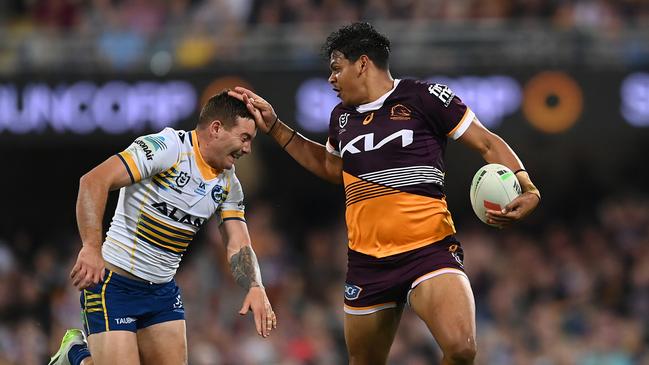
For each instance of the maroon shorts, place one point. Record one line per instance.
(373, 284)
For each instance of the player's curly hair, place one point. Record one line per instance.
(225, 108)
(359, 39)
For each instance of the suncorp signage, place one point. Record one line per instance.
(85, 106)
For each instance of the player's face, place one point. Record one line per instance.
(345, 79)
(234, 142)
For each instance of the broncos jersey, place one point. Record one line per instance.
(393, 166)
(174, 192)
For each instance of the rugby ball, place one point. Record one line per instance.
(493, 187)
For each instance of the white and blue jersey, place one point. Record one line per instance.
(174, 192)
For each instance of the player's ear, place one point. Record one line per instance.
(363, 63)
(215, 127)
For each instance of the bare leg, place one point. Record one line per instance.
(446, 304)
(108, 347)
(163, 344)
(370, 336)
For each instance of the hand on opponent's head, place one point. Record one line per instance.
(263, 112)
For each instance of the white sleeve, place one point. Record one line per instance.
(151, 154)
(233, 207)
(331, 148)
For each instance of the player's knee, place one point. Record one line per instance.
(461, 353)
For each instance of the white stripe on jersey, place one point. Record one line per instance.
(405, 176)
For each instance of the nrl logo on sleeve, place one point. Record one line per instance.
(352, 292)
(342, 120)
(443, 93)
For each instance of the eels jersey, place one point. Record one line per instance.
(393, 166)
(173, 193)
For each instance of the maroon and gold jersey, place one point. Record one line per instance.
(393, 166)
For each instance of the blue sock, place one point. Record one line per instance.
(77, 353)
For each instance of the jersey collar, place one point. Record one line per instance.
(378, 103)
(207, 171)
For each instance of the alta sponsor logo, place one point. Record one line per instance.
(177, 214)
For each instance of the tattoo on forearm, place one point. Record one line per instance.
(245, 268)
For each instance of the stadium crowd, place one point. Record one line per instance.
(573, 293)
(127, 34)
(147, 16)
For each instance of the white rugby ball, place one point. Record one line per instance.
(493, 187)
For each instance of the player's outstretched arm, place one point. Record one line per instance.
(495, 150)
(246, 272)
(311, 155)
(91, 204)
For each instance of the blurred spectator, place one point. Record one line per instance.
(120, 45)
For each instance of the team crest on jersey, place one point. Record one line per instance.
(218, 194)
(342, 120)
(352, 292)
(400, 112)
(182, 179)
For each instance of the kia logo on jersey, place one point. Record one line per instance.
(354, 147)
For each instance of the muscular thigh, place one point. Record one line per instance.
(109, 348)
(445, 302)
(163, 343)
(370, 336)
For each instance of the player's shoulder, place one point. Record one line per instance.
(167, 142)
(174, 138)
(415, 85)
(430, 90)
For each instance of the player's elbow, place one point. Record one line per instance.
(488, 144)
(89, 181)
(85, 181)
